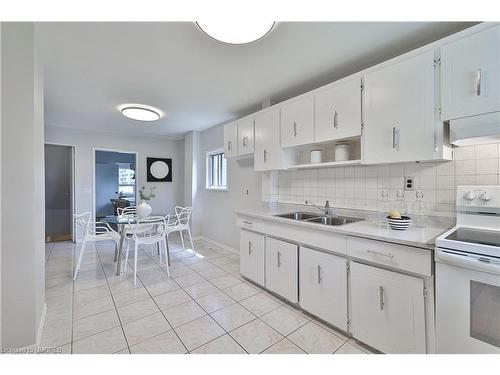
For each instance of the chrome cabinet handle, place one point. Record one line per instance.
(294, 128)
(319, 274)
(265, 156)
(247, 222)
(245, 141)
(279, 259)
(229, 145)
(249, 247)
(381, 296)
(388, 255)
(479, 75)
(335, 121)
(395, 137)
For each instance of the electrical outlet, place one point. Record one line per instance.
(409, 183)
(246, 192)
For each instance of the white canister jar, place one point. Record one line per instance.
(316, 156)
(341, 151)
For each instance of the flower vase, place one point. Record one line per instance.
(143, 210)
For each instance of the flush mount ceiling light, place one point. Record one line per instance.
(140, 112)
(236, 31)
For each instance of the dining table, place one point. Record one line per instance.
(121, 223)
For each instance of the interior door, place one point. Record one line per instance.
(252, 247)
(470, 75)
(282, 268)
(323, 286)
(337, 111)
(388, 309)
(399, 111)
(58, 194)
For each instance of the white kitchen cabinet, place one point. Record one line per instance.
(387, 309)
(337, 111)
(297, 122)
(399, 112)
(323, 286)
(246, 136)
(231, 140)
(268, 153)
(252, 256)
(282, 268)
(470, 75)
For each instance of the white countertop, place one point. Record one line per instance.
(369, 228)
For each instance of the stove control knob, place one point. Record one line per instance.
(470, 196)
(485, 196)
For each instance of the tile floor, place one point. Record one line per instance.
(205, 307)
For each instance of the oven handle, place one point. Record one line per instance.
(467, 261)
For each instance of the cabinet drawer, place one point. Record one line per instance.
(405, 258)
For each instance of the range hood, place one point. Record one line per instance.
(474, 130)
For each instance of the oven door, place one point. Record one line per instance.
(467, 304)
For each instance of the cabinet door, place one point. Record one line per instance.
(281, 268)
(337, 111)
(231, 140)
(297, 122)
(323, 286)
(399, 112)
(470, 75)
(252, 257)
(388, 309)
(246, 136)
(267, 154)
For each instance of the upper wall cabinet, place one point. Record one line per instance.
(297, 122)
(399, 112)
(337, 111)
(231, 140)
(268, 153)
(470, 75)
(246, 136)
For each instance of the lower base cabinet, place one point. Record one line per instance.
(323, 286)
(282, 268)
(387, 309)
(252, 256)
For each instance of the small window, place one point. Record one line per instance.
(216, 170)
(126, 181)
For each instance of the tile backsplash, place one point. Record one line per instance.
(361, 187)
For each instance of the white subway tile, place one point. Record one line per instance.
(464, 167)
(446, 196)
(445, 169)
(428, 182)
(445, 182)
(487, 179)
(463, 153)
(487, 151)
(486, 166)
(463, 180)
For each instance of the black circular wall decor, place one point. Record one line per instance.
(159, 170)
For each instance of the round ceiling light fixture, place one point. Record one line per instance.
(236, 31)
(140, 112)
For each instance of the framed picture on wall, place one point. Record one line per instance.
(159, 169)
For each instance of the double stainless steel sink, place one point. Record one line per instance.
(320, 219)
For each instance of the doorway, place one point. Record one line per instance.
(115, 181)
(58, 192)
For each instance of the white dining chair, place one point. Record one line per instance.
(155, 236)
(93, 232)
(130, 212)
(183, 216)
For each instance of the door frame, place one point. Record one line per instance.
(94, 149)
(72, 200)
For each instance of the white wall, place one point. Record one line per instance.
(218, 221)
(0, 184)
(168, 194)
(22, 168)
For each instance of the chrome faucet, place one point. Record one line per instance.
(325, 210)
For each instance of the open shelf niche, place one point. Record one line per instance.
(300, 157)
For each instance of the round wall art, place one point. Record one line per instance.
(159, 170)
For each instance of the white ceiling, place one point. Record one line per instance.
(91, 68)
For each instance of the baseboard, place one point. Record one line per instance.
(41, 325)
(215, 243)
